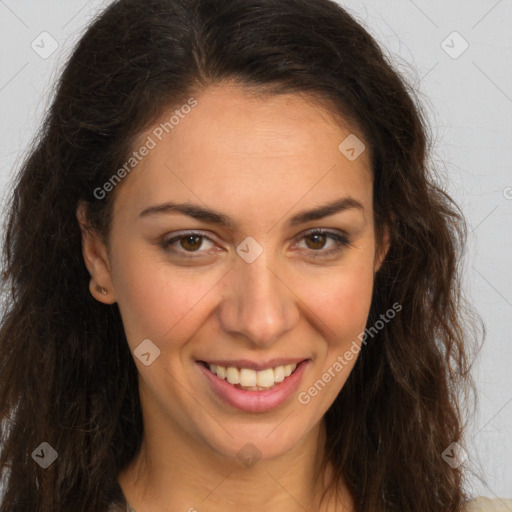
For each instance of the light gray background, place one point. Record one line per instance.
(469, 102)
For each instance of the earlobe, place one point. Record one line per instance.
(96, 259)
(100, 293)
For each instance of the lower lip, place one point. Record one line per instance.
(255, 401)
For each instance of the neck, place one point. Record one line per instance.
(167, 475)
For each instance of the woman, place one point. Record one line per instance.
(232, 278)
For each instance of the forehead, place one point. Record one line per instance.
(259, 147)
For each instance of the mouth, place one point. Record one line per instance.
(254, 387)
(249, 379)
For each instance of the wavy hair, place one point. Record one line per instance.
(67, 376)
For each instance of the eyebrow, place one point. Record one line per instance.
(213, 217)
(326, 210)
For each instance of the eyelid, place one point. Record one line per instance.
(188, 232)
(326, 231)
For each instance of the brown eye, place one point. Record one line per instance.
(324, 244)
(317, 241)
(191, 242)
(188, 243)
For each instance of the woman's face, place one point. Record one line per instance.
(216, 258)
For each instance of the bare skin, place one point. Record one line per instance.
(259, 161)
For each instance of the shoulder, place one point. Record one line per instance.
(489, 505)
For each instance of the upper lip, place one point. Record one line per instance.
(254, 365)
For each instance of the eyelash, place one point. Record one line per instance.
(340, 240)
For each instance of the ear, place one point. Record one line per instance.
(96, 259)
(381, 252)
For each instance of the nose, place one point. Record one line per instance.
(258, 305)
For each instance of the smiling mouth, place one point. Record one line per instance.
(252, 380)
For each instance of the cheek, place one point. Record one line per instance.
(342, 302)
(154, 302)
(343, 306)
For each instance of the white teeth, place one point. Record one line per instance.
(233, 375)
(221, 372)
(279, 374)
(247, 377)
(265, 378)
(252, 380)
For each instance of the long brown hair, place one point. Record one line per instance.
(67, 376)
